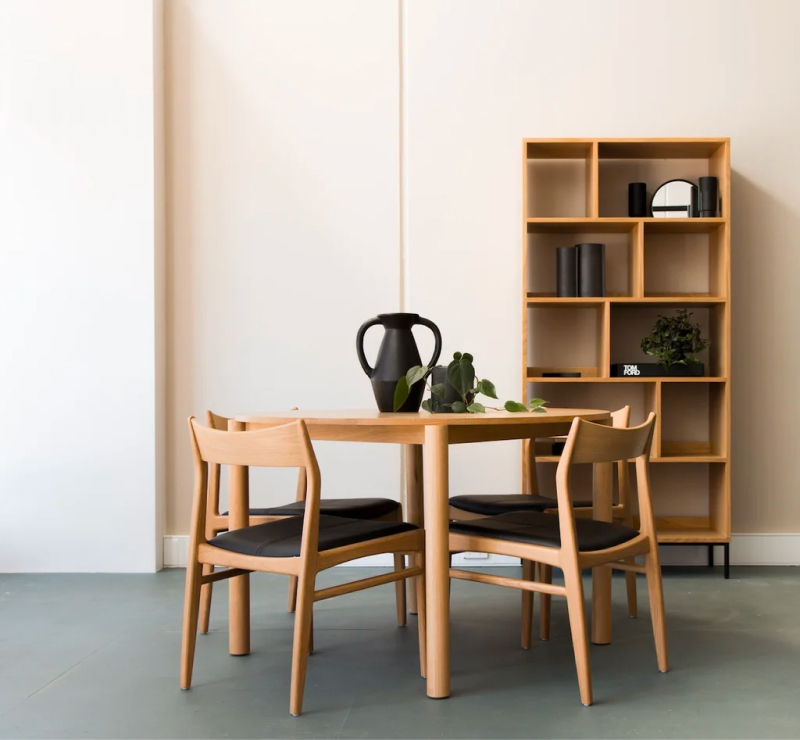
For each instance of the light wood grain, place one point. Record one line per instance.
(281, 446)
(437, 556)
(600, 445)
(238, 588)
(619, 225)
(702, 155)
(412, 460)
(420, 419)
(414, 430)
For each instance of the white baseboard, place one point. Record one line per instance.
(746, 549)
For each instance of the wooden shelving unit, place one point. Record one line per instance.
(575, 190)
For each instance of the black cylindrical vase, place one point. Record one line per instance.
(566, 272)
(637, 199)
(591, 270)
(709, 194)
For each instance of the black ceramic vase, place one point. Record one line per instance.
(451, 395)
(397, 354)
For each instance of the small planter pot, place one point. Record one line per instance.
(439, 376)
(654, 370)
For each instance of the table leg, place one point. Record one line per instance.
(528, 574)
(437, 559)
(239, 587)
(412, 455)
(603, 476)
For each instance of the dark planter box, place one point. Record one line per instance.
(439, 375)
(654, 370)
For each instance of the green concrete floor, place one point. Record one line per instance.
(97, 656)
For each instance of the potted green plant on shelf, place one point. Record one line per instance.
(674, 342)
(454, 388)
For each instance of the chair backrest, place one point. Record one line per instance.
(589, 442)
(217, 421)
(285, 446)
(619, 420)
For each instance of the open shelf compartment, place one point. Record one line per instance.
(630, 323)
(568, 339)
(690, 502)
(685, 264)
(560, 178)
(693, 421)
(597, 394)
(624, 274)
(654, 162)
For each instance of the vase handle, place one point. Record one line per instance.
(360, 344)
(437, 336)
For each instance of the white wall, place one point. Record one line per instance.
(78, 308)
(480, 76)
(283, 182)
(284, 139)
(285, 195)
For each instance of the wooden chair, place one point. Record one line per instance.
(475, 506)
(621, 512)
(375, 509)
(573, 543)
(293, 546)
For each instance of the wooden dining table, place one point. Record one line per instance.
(426, 438)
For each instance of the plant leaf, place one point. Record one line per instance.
(487, 388)
(456, 356)
(514, 406)
(426, 405)
(415, 374)
(459, 407)
(439, 390)
(467, 356)
(401, 391)
(476, 408)
(461, 375)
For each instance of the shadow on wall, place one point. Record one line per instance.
(764, 268)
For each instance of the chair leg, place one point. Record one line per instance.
(544, 575)
(191, 608)
(577, 624)
(630, 584)
(205, 599)
(302, 640)
(400, 591)
(449, 580)
(422, 618)
(656, 594)
(527, 605)
(292, 594)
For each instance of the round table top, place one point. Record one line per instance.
(368, 417)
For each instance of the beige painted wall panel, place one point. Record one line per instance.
(283, 230)
(480, 76)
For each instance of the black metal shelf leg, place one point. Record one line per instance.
(727, 550)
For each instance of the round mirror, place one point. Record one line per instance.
(675, 199)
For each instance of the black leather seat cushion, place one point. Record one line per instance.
(354, 508)
(490, 505)
(534, 528)
(281, 539)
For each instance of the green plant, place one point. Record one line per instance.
(674, 340)
(461, 375)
